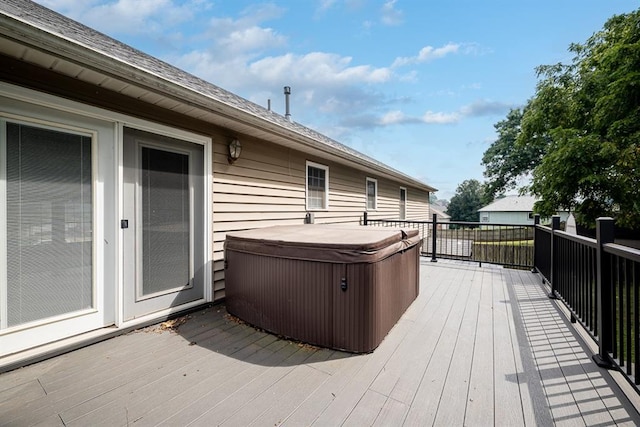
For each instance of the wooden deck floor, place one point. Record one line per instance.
(480, 347)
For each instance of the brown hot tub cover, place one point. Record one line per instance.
(342, 287)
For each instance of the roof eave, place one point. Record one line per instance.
(74, 51)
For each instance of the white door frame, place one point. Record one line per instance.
(108, 186)
(207, 144)
(31, 108)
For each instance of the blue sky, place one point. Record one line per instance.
(415, 84)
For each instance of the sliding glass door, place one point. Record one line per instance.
(48, 224)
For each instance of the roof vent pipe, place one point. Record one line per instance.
(269, 104)
(287, 92)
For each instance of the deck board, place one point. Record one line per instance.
(534, 401)
(425, 404)
(480, 346)
(456, 388)
(481, 382)
(508, 402)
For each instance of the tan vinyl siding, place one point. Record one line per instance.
(266, 187)
(418, 205)
(389, 202)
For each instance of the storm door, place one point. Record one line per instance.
(163, 228)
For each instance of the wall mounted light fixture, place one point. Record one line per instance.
(235, 148)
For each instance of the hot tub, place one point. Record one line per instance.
(333, 286)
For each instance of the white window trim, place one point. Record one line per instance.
(401, 214)
(366, 194)
(326, 186)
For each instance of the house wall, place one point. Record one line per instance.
(497, 217)
(266, 186)
(509, 218)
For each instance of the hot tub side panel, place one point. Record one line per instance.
(398, 278)
(354, 309)
(284, 296)
(377, 296)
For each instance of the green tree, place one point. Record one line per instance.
(465, 203)
(506, 162)
(579, 136)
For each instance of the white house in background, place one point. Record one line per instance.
(512, 210)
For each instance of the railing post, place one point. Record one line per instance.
(555, 225)
(536, 222)
(434, 225)
(364, 218)
(604, 298)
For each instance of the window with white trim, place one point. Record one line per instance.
(317, 186)
(403, 203)
(46, 200)
(372, 194)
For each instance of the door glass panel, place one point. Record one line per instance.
(49, 223)
(165, 220)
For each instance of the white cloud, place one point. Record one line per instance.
(398, 117)
(391, 15)
(479, 108)
(472, 86)
(129, 16)
(313, 69)
(68, 5)
(245, 55)
(250, 39)
(410, 77)
(328, 83)
(485, 107)
(132, 16)
(392, 117)
(440, 118)
(428, 53)
(246, 35)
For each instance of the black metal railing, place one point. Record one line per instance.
(622, 279)
(574, 277)
(542, 250)
(504, 244)
(599, 282)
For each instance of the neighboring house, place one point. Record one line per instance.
(441, 215)
(118, 186)
(512, 210)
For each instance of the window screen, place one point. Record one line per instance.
(49, 223)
